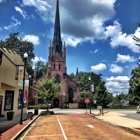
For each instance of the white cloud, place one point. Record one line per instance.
(38, 59)
(115, 68)
(70, 41)
(86, 26)
(125, 58)
(23, 13)
(13, 24)
(120, 39)
(98, 68)
(32, 38)
(2, 1)
(95, 51)
(117, 85)
(40, 5)
(73, 22)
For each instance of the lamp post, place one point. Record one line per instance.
(89, 95)
(22, 93)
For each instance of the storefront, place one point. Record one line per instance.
(10, 86)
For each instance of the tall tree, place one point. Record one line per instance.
(101, 94)
(134, 82)
(85, 82)
(41, 68)
(48, 89)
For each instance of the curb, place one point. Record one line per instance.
(23, 129)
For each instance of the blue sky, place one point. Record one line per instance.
(98, 34)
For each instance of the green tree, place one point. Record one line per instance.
(134, 82)
(72, 75)
(80, 98)
(101, 94)
(85, 82)
(41, 68)
(48, 89)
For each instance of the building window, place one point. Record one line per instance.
(70, 95)
(59, 66)
(57, 79)
(54, 66)
(9, 97)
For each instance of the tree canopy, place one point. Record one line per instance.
(48, 89)
(134, 82)
(18, 45)
(85, 82)
(41, 68)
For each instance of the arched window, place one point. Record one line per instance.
(59, 66)
(70, 93)
(57, 79)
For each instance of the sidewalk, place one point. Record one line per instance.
(121, 120)
(5, 124)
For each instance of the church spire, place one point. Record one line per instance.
(57, 32)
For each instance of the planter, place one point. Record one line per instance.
(10, 115)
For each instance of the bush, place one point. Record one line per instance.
(39, 106)
(46, 113)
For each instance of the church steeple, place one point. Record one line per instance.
(57, 43)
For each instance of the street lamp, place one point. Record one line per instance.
(89, 94)
(22, 93)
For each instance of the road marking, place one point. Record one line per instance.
(35, 136)
(91, 126)
(61, 128)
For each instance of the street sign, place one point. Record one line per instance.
(87, 101)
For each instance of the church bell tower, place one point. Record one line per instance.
(57, 50)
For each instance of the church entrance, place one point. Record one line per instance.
(70, 93)
(56, 103)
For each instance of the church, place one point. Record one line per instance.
(57, 67)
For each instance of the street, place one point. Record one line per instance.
(74, 127)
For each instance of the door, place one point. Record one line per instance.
(56, 103)
(70, 93)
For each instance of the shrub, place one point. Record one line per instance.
(39, 106)
(46, 113)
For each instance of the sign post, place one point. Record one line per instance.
(87, 102)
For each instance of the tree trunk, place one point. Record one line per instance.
(47, 107)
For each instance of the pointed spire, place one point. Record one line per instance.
(77, 76)
(77, 71)
(57, 32)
